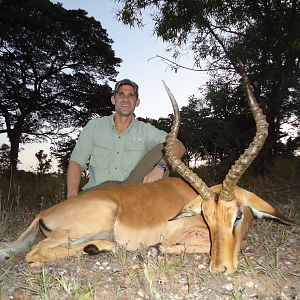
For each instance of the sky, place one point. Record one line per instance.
(137, 48)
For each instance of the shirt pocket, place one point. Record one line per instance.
(134, 152)
(100, 158)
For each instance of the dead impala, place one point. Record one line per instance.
(179, 216)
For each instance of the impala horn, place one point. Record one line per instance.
(176, 163)
(245, 160)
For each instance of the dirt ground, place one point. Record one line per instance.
(269, 267)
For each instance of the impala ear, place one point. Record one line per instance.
(192, 208)
(259, 207)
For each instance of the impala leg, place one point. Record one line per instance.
(184, 248)
(196, 241)
(49, 249)
(186, 235)
(188, 240)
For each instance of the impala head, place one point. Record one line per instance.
(223, 212)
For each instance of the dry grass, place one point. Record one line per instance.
(269, 265)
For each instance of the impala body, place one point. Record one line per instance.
(174, 214)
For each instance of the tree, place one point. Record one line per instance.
(44, 163)
(52, 62)
(62, 152)
(263, 34)
(217, 127)
(4, 157)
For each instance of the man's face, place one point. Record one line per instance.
(125, 100)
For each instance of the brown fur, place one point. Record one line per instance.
(167, 211)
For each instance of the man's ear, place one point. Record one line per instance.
(192, 208)
(137, 102)
(112, 99)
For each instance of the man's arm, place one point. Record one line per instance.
(157, 173)
(73, 178)
(179, 152)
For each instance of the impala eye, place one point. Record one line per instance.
(238, 217)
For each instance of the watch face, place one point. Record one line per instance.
(162, 165)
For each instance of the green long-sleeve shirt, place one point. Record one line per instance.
(112, 155)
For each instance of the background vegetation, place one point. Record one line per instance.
(55, 65)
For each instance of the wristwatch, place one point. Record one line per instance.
(162, 165)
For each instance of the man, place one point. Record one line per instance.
(118, 148)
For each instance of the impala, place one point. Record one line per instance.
(177, 215)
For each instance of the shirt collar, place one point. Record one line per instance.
(112, 123)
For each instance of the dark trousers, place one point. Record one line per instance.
(145, 165)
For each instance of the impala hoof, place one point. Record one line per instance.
(5, 253)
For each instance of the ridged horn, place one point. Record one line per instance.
(245, 160)
(176, 163)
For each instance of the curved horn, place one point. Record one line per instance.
(241, 165)
(176, 163)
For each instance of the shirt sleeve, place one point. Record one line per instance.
(84, 145)
(154, 135)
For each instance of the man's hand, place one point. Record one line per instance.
(155, 174)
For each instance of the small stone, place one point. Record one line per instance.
(141, 293)
(201, 267)
(135, 266)
(152, 252)
(228, 286)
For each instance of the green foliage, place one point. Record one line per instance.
(264, 35)
(218, 127)
(52, 61)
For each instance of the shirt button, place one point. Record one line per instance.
(118, 152)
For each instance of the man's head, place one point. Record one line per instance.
(125, 97)
(126, 81)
